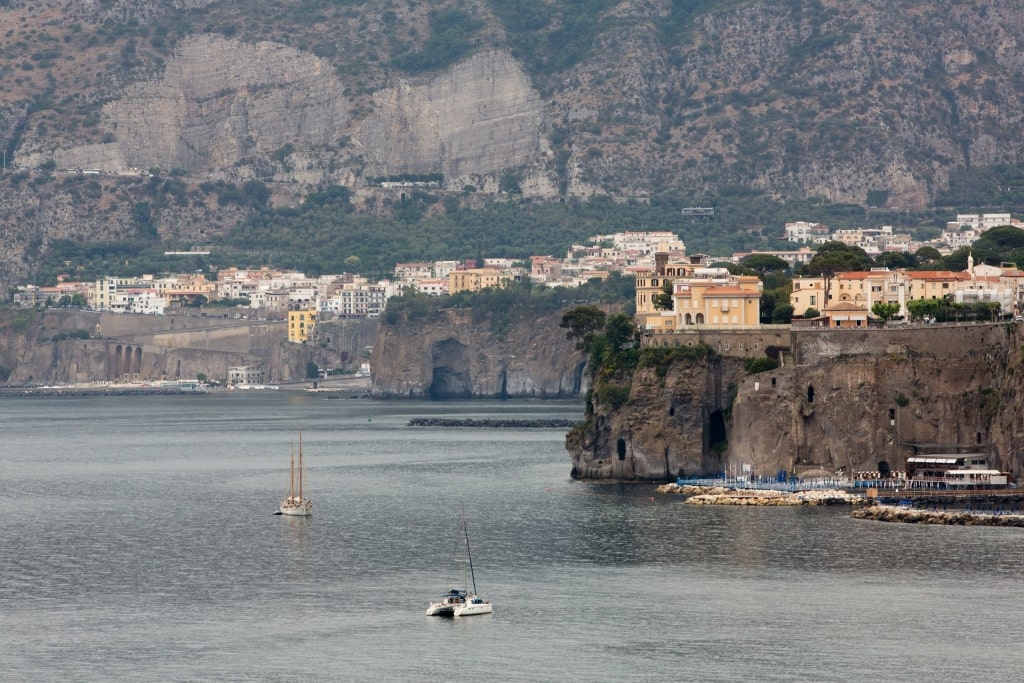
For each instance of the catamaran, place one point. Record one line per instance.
(459, 602)
(296, 505)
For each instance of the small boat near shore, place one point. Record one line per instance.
(296, 504)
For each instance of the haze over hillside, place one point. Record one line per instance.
(860, 103)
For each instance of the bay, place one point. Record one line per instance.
(138, 543)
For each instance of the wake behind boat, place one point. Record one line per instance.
(459, 602)
(296, 504)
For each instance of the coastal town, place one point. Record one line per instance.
(703, 291)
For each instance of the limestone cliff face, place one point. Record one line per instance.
(217, 102)
(663, 431)
(481, 116)
(806, 98)
(267, 110)
(453, 356)
(63, 347)
(845, 400)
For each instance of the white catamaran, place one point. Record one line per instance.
(461, 602)
(296, 505)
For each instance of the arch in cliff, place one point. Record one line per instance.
(137, 366)
(451, 377)
(118, 352)
(503, 384)
(126, 366)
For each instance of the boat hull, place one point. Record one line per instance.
(471, 610)
(297, 511)
(437, 609)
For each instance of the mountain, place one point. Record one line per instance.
(872, 103)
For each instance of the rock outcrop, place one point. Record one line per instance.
(58, 347)
(844, 401)
(453, 356)
(480, 117)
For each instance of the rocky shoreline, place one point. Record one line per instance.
(907, 515)
(720, 495)
(552, 423)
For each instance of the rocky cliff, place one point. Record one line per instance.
(64, 347)
(843, 400)
(453, 355)
(799, 99)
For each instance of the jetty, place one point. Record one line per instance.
(492, 423)
(910, 515)
(721, 495)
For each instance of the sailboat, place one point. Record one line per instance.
(461, 602)
(296, 505)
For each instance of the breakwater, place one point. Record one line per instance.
(72, 392)
(720, 495)
(908, 515)
(496, 423)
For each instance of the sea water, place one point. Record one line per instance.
(139, 544)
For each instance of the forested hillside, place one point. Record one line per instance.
(497, 127)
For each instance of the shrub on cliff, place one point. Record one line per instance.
(613, 395)
(752, 366)
(661, 359)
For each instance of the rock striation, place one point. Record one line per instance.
(481, 116)
(451, 355)
(842, 401)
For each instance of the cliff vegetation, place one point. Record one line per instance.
(892, 112)
(811, 403)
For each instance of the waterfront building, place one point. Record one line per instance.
(247, 374)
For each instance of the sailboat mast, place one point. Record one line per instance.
(300, 467)
(291, 475)
(469, 556)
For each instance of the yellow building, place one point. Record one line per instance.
(713, 303)
(866, 288)
(475, 279)
(808, 292)
(649, 284)
(301, 324)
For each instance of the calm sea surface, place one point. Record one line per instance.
(138, 544)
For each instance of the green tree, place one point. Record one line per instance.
(763, 264)
(621, 331)
(895, 259)
(582, 323)
(783, 314)
(922, 308)
(663, 300)
(926, 255)
(812, 312)
(885, 310)
(312, 370)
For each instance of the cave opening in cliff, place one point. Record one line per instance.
(717, 436)
(621, 448)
